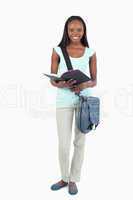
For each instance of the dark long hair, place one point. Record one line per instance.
(65, 39)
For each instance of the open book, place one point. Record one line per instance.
(76, 74)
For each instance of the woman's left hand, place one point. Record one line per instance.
(79, 87)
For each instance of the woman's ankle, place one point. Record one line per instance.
(63, 181)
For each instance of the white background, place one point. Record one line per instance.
(28, 138)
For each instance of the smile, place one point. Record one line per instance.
(75, 38)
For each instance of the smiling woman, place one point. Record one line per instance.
(83, 58)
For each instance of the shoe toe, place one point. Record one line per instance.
(55, 187)
(73, 192)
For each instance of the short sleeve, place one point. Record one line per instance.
(91, 52)
(57, 50)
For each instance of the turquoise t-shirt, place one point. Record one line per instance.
(64, 96)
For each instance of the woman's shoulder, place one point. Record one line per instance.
(57, 50)
(90, 51)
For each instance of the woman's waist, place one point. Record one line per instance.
(66, 92)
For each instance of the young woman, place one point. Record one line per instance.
(83, 58)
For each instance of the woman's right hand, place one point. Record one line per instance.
(63, 84)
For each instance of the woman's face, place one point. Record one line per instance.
(75, 31)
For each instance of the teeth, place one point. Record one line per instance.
(75, 37)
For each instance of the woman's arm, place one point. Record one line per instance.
(93, 71)
(54, 66)
(54, 62)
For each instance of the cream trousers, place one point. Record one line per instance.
(64, 118)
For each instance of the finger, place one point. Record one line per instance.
(72, 82)
(69, 81)
(54, 83)
(61, 82)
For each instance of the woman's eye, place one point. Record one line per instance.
(79, 30)
(71, 30)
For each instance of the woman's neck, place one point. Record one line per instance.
(75, 45)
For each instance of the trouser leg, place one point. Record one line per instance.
(78, 156)
(64, 117)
